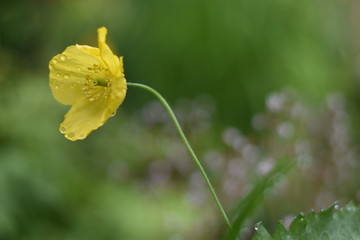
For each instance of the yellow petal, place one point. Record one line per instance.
(86, 116)
(107, 56)
(119, 87)
(69, 71)
(121, 60)
(89, 50)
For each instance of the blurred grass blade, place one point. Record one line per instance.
(251, 202)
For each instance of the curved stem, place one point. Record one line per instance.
(188, 146)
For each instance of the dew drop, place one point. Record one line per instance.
(51, 67)
(63, 130)
(257, 226)
(350, 209)
(62, 57)
(56, 87)
(66, 75)
(71, 135)
(54, 61)
(58, 74)
(113, 114)
(79, 69)
(91, 99)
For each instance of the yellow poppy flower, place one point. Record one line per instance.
(92, 81)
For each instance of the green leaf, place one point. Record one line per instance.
(329, 224)
(261, 233)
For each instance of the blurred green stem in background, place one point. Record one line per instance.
(187, 144)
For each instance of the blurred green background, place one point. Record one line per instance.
(251, 81)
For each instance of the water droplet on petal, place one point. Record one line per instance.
(66, 75)
(54, 61)
(58, 74)
(62, 57)
(113, 114)
(71, 135)
(63, 130)
(91, 99)
(56, 87)
(51, 67)
(79, 69)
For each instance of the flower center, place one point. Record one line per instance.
(102, 82)
(98, 83)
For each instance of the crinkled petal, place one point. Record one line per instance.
(85, 116)
(119, 87)
(89, 50)
(68, 72)
(107, 56)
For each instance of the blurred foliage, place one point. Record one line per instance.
(254, 199)
(185, 48)
(220, 63)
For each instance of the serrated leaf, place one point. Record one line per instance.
(280, 231)
(329, 224)
(261, 233)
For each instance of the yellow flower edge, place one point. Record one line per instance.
(92, 81)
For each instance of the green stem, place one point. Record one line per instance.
(187, 144)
